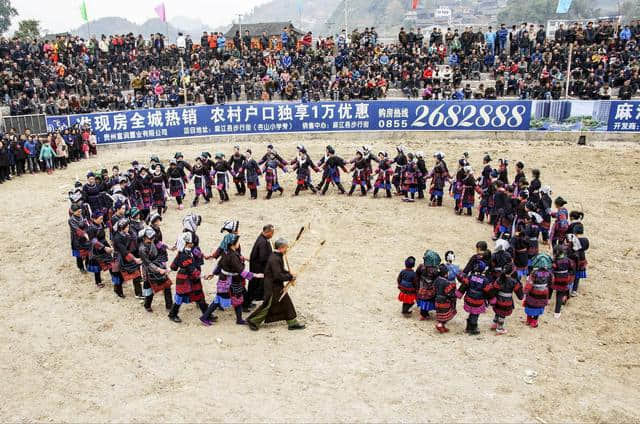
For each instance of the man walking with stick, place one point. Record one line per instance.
(257, 263)
(276, 307)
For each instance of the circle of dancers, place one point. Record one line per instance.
(128, 206)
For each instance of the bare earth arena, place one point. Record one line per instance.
(72, 352)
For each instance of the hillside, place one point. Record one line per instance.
(314, 14)
(115, 25)
(385, 15)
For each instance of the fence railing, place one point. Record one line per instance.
(37, 124)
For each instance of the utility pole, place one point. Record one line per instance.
(240, 24)
(566, 94)
(346, 18)
(184, 81)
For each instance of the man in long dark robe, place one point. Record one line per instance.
(257, 263)
(273, 308)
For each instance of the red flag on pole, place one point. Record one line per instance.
(414, 4)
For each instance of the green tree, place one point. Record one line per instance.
(28, 29)
(539, 11)
(6, 13)
(630, 9)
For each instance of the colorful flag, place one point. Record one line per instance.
(83, 11)
(161, 12)
(414, 4)
(563, 6)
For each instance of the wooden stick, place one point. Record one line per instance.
(302, 230)
(302, 269)
(286, 261)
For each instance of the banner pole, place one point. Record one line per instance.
(566, 94)
(184, 82)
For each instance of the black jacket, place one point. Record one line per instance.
(259, 254)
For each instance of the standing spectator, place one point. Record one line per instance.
(490, 40)
(19, 154)
(221, 42)
(46, 155)
(30, 150)
(625, 34)
(541, 35)
(204, 40)
(62, 152)
(246, 40)
(503, 35)
(4, 162)
(181, 42)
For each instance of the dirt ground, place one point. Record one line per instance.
(71, 352)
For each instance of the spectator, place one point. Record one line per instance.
(30, 149)
(503, 34)
(71, 75)
(62, 153)
(46, 155)
(490, 41)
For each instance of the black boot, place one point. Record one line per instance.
(168, 300)
(117, 288)
(239, 319)
(137, 288)
(207, 314)
(147, 303)
(173, 314)
(468, 327)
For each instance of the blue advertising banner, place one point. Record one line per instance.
(265, 118)
(624, 116)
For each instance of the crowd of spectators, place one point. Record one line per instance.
(523, 62)
(27, 153)
(69, 75)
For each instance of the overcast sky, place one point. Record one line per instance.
(62, 15)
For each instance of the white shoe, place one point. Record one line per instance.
(574, 294)
(556, 315)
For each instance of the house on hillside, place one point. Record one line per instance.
(272, 29)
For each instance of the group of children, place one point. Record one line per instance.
(521, 215)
